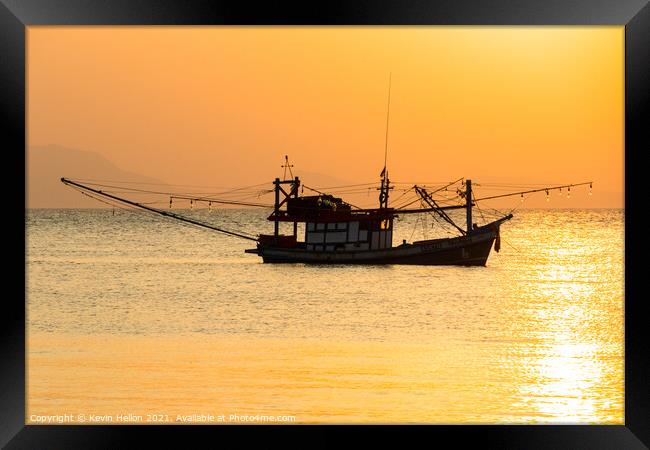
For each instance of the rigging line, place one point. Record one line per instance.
(447, 201)
(426, 198)
(402, 195)
(236, 198)
(423, 183)
(404, 203)
(480, 212)
(228, 188)
(240, 198)
(494, 211)
(133, 209)
(450, 201)
(126, 208)
(526, 257)
(512, 184)
(167, 193)
(348, 185)
(437, 221)
(515, 248)
(312, 189)
(156, 191)
(347, 191)
(443, 225)
(90, 181)
(99, 199)
(210, 195)
(424, 226)
(239, 193)
(443, 187)
(190, 197)
(126, 188)
(499, 189)
(407, 196)
(415, 227)
(225, 202)
(157, 211)
(523, 255)
(520, 204)
(408, 204)
(359, 189)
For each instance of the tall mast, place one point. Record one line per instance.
(383, 195)
(390, 75)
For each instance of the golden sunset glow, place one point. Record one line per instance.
(130, 314)
(221, 106)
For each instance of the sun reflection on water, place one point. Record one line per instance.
(569, 374)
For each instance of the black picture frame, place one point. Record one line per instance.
(16, 15)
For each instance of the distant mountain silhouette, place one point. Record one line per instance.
(47, 164)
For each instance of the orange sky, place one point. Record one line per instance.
(223, 105)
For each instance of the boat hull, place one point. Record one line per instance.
(471, 250)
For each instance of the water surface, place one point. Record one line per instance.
(131, 314)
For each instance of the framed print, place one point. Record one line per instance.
(449, 188)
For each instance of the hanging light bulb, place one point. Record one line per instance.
(560, 193)
(590, 189)
(170, 202)
(548, 199)
(568, 192)
(522, 198)
(210, 206)
(191, 204)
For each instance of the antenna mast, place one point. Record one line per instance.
(286, 166)
(384, 189)
(387, 119)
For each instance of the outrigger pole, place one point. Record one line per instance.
(552, 188)
(154, 210)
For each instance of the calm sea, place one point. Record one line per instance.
(134, 318)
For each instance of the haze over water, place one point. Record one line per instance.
(128, 313)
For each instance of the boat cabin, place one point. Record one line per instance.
(331, 225)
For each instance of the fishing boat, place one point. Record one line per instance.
(337, 232)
